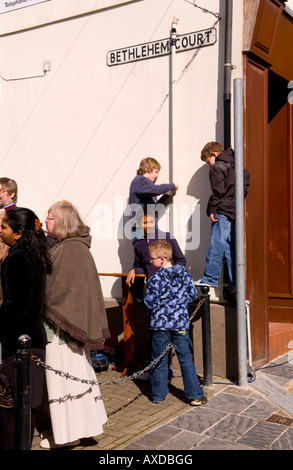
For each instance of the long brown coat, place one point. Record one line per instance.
(74, 299)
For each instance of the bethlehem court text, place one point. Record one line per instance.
(162, 47)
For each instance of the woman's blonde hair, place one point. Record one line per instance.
(68, 222)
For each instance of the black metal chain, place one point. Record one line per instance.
(134, 376)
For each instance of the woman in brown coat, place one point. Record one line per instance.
(76, 323)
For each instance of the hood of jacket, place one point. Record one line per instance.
(168, 294)
(227, 157)
(174, 275)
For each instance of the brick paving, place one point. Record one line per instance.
(233, 418)
(131, 413)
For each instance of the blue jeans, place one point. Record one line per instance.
(159, 377)
(222, 249)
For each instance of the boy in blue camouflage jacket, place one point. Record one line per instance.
(167, 295)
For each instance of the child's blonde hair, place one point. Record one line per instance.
(161, 248)
(147, 165)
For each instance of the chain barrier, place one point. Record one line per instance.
(200, 303)
(93, 382)
(134, 376)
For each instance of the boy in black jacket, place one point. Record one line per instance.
(221, 210)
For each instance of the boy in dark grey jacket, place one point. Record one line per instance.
(221, 210)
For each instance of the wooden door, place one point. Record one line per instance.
(255, 152)
(279, 202)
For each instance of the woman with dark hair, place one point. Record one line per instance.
(23, 278)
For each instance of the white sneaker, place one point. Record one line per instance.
(203, 283)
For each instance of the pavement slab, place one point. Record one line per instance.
(256, 417)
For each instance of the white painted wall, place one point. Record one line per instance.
(79, 132)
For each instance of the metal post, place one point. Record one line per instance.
(172, 172)
(23, 407)
(227, 72)
(172, 98)
(206, 336)
(240, 258)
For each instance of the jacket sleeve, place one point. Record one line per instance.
(147, 188)
(217, 181)
(151, 294)
(139, 263)
(192, 292)
(178, 256)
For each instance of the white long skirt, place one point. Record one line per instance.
(76, 409)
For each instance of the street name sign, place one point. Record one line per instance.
(162, 47)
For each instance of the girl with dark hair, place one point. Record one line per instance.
(23, 278)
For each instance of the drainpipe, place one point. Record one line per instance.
(239, 222)
(239, 226)
(227, 73)
(173, 36)
(227, 103)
